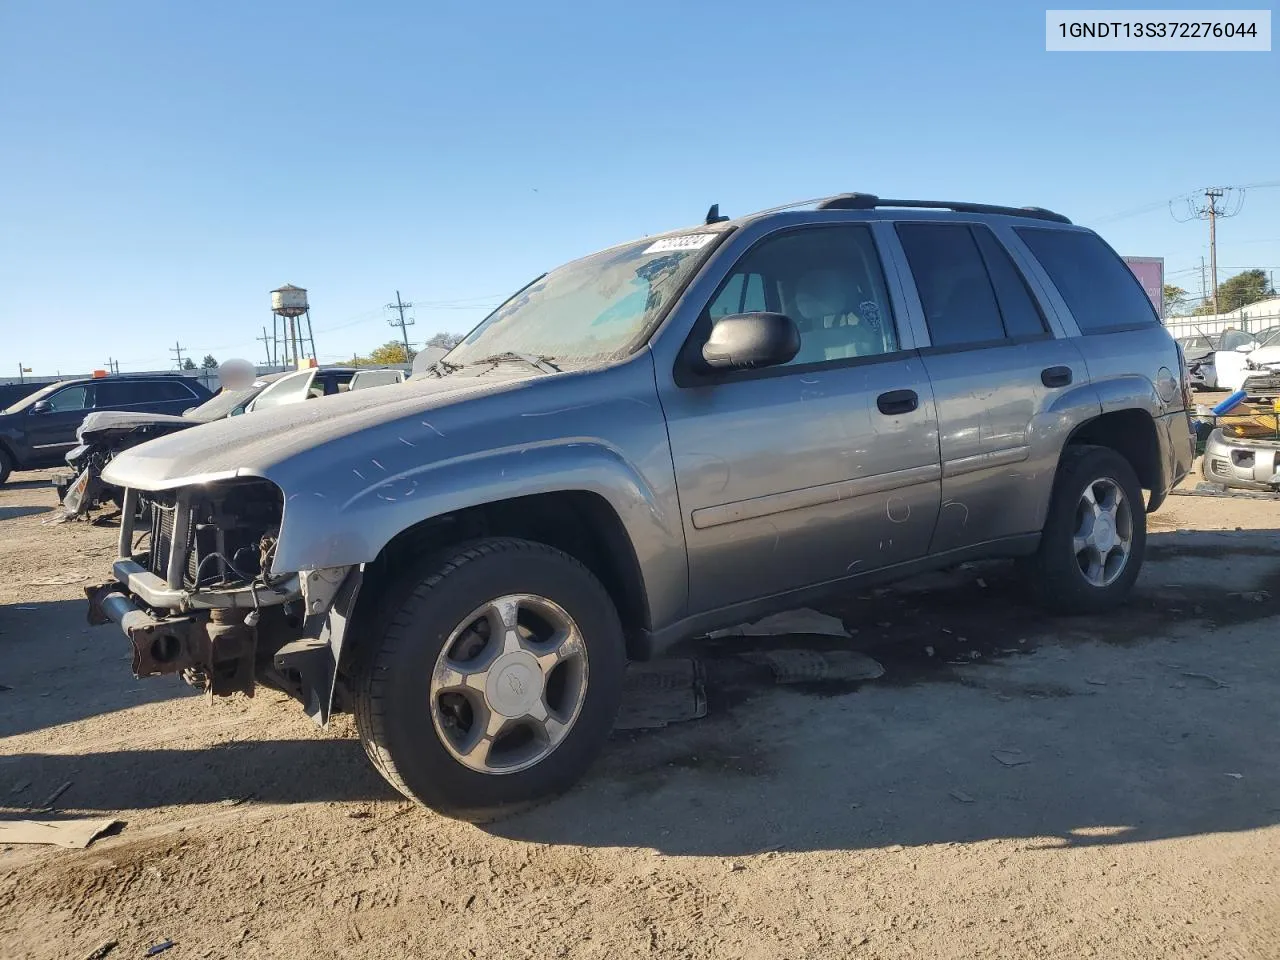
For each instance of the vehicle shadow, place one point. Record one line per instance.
(258, 771)
(1159, 721)
(57, 669)
(991, 722)
(13, 513)
(44, 483)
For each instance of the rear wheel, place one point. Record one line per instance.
(6, 465)
(495, 681)
(1095, 536)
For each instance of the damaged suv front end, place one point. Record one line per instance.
(196, 594)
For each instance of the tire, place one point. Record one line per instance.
(417, 737)
(1058, 573)
(6, 465)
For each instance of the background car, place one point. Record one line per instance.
(1200, 354)
(1253, 365)
(103, 435)
(37, 431)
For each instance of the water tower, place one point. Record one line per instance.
(291, 326)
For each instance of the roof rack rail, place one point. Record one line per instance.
(869, 201)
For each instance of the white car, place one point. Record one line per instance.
(1253, 367)
(1202, 352)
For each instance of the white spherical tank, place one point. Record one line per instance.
(289, 301)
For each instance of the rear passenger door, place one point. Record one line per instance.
(996, 369)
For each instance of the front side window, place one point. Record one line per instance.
(595, 309)
(1098, 287)
(72, 398)
(828, 280)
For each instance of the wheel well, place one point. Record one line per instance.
(580, 523)
(1132, 434)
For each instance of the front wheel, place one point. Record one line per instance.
(1095, 536)
(6, 465)
(495, 682)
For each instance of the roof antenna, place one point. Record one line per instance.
(713, 215)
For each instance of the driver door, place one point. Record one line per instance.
(819, 469)
(52, 434)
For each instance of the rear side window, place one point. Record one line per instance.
(169, 390)
(1100, 291)
(122, 393)
(951, 278)
(1021, 314)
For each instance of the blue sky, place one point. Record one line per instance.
(164, 165)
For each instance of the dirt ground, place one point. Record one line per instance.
(1013, 786)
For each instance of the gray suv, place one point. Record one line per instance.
(667, 437)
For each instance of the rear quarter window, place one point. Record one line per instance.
(1101, 292)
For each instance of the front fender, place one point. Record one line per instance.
(316, 532)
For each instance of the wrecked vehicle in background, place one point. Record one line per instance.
(656, 441)
(104, 435)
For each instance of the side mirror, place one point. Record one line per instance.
(747, 340)
(1245, 348)
(42, 406)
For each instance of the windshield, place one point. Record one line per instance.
(1197, 343)
(31, 398)
(1234, 338)
(1269, 337)
(228, 400)
(598, 308)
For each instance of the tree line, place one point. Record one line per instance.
(1244, 288)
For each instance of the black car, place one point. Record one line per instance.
(37, 431)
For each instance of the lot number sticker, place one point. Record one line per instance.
(690, 241)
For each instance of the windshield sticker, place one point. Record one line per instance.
(690, 241)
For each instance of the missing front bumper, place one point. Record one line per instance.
(215, 652)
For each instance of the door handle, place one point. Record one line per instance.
(897, 401)
(1056, 376)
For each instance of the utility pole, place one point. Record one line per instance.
(1213, 195)
(1204, 288)
(1219, 202)
(176, 349)
(402, 323)
(113, 365)
(266, 344)
(21, 371)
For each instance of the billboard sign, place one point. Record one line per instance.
(1150, 273)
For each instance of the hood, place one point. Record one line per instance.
(104, 423)
(1265, 356)
(253, 444)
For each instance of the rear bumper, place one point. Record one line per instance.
(1244, 464)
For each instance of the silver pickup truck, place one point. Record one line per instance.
(664, 438)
